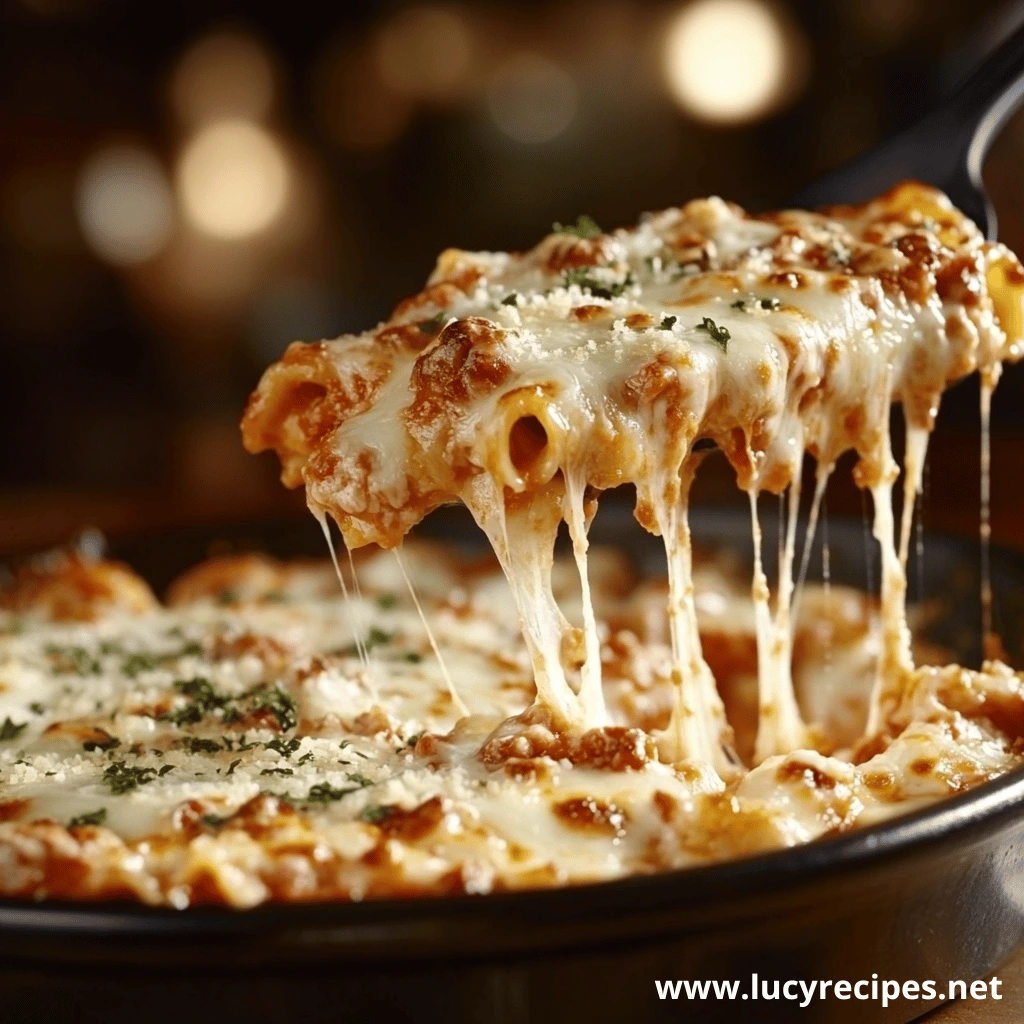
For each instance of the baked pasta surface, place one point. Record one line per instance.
(261, 738)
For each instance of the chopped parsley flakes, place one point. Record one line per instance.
(92, 818)
(10, 730)
(376, 814)
(71, 660)
(284, 747)
(667, 324)
(198, 745)
(280, 705)
(204, 700)
(123, 778)
(434, 324)
(719, 335)
(770, 303)
(140, 662)
(376, 637)
(585, 227)
(107, 743)
(583, 279)
(325, 793)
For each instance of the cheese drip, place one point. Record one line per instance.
(821, 479)
(522, 534)
(992, 647)
(697, 729)
(780, 727)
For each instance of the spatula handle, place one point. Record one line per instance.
(989, 97)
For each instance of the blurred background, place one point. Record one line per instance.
(185, 188)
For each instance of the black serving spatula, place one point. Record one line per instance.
(947, 148)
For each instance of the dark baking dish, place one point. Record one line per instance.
(935, 895)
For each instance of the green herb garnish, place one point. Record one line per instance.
(284, 747)
(204, 700)
(413, 657)
(280, 705)
(234, 764)
(667, 324)
(121, 778)
(359, 779)
(375, 638)
(165, 769)
(581, 277)
(11, 730)
(512, 299)
(434, 324)
(325, 793)
(110, 743)
(92, 818)
(375, 814)
(770, 303)
(585, 227)
(72, 660)
(378, 638)
(36, 708)
(198, 745)
(214, 820)
(719, 335)
(277, 771)
(387, 601)
(136, 663)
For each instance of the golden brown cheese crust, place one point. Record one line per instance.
(418, 812)
(69, 586)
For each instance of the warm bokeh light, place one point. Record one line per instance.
(123, 202)
(233, 179)
(725, 61)
(425, 53)
(531, 99)
(223, 75)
